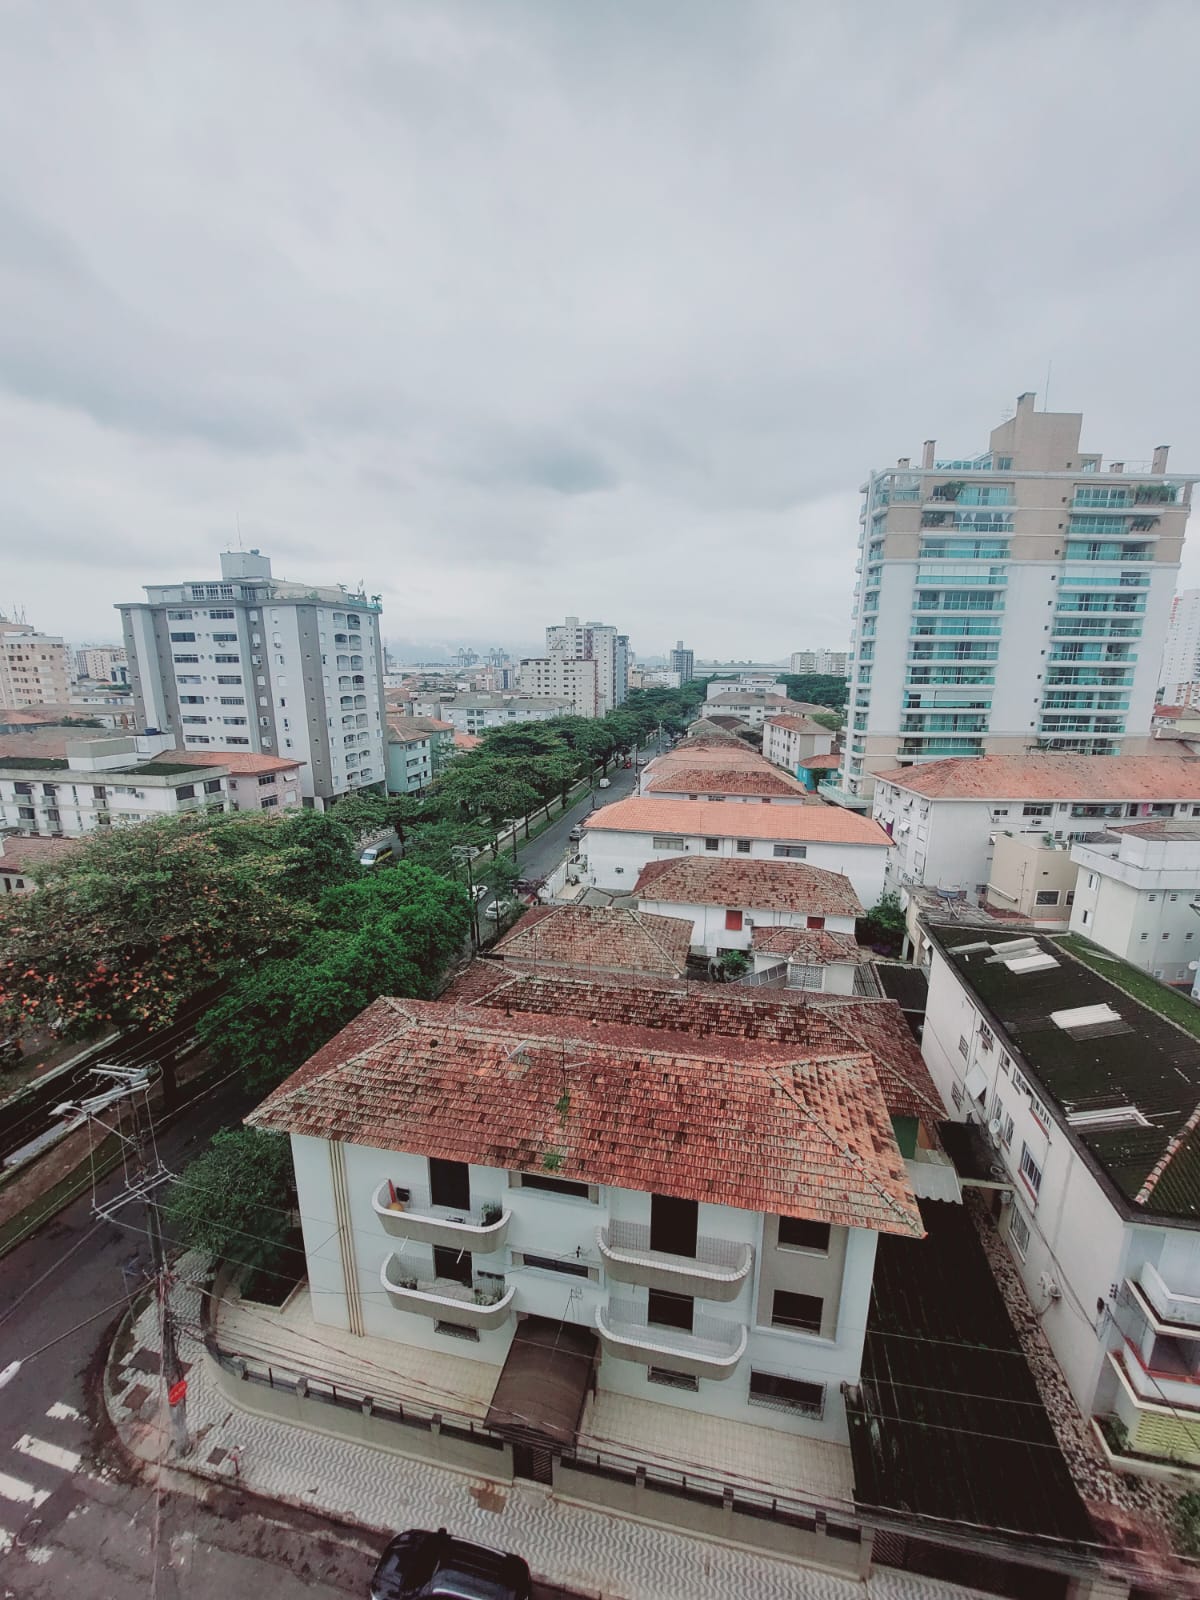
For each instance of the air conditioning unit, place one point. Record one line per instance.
(1049, 1286)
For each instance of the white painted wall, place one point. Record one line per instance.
(615, 858)
(710, 934)
(553, 1225)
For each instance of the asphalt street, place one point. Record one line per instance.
(541, 855)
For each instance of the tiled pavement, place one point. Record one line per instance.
(590, 1550)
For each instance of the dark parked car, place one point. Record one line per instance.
(419, 1565)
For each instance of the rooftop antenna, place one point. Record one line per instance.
(238, 515)
(1046, 396)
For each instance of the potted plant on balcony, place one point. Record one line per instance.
(397, 1198)
(490, 1212)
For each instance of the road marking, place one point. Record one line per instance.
(52, 1455)
(61, 1412)
(24, 1493)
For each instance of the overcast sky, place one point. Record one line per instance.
(516, 309)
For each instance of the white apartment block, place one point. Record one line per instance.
(682, 661)
(490, 1198)
(788, 740)
(943, 816)
(102, 663)
(1179, 677)
(569, 680)
(601, 643)
(409, 759)
(830, 663)
(474, 713)
(106, 782)
(1083, 1101)
(34, 667)
(1014, 600)
(1138, 894)
(256, 663)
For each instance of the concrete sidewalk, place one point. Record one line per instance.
(581, 1548)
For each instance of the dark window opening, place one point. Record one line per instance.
(800, 1312)
(666, 1310)
(800, 1234)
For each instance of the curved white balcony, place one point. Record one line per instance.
(417, 1219)
(716, 1272)
(712, 1348)
(443, 1298)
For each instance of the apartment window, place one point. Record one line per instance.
(187, 660)
(179, 616)
(183, 638)
(194, 720)
(786, 1394)
(538, 1180)
(667, 1310)
(235, 738)
(672, 1380)
(229, 677)
(570, 1269)
(733, 922)
(712, 844)
(964, 1048)
(814, 922)
(1047, 897)
(798, 1233)
(188, 677)
(233, 700)
(1091, 880)
(1030, 1171)
(212, 786)
(196, 738)
(264, 782)
(799, 1313)
(1037, 811)
(227, 660)
(186, 792)
(1018, 1231)
(791, 852)
(224, 638)
(221, 616)
(191, 699)
(662, 841)
(1006, 1133)
(234, 722)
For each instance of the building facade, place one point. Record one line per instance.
(254, 782)
(828, 663)
(1018, 599)
(788, 740)
(943, 817)
(682, 661)
(473, 713)
(1138, 895)
(1179, 677)
(106, 782)
(567, 680)
(1083, 1101)
(102, 664)
(601, 643)
(409, 759)
(34, 667)
(258, 664)
(731, 904)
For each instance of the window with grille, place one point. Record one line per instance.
(786, 1394)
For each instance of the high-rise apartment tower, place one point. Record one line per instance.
(683, 662)
(598, 642)
(1016, 600)
(255, 663)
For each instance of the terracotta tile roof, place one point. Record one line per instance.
(27, 718)
(731, 820)
(749, 885)
(1053, 775)
(602, 937)
(1170, 712)
(21, 854)
(813, 947)
(765, 780)
(398, 734)
(736, 757)
(705, 732)
(829, 763)
(47, 743)
(730, 724)
(239, 762)
(737, 1123)
(798, 725)
(466, 741)
(781, 1016)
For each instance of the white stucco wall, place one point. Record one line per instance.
(709, 932)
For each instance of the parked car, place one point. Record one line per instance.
(419, 1565)
(479, 891)
(496, 909)
(605, 783)
(576, 833)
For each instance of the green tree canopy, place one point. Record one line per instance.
(392, 933)
(234, 1200)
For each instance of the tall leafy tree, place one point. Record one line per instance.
(234, 1199)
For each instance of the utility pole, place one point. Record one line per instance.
(142, 1179)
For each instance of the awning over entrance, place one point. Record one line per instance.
(544, 1382)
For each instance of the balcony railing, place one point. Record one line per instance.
(474, 1305)
(1158, 1386)
(1167, 1306)
(712, 1349)
(716, 1272)
(424, 1223)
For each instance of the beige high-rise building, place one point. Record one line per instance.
(34, 667)
(1011, 601)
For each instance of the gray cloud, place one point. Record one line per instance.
(521, 310)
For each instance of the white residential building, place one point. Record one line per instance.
(942, 817)
(1084, 1103)
(256, 663)
(682, 661)
(253, 782)
(106, 782)
(601, 643)
(102, 663)
(829, 663)
(1179, 676)
(734, 903)
(472, 713)
(787, 740)
(34, 667)
(1016, 598)
(567, 680)
(409, 758)
(753, 706)
(477, 1198)
(621, 838)
(1138, 895)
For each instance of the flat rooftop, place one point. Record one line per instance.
(1090, 1048)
